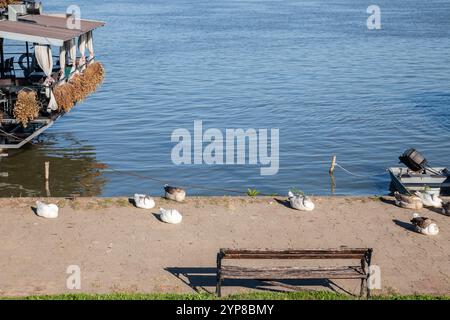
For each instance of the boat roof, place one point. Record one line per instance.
(44, 29)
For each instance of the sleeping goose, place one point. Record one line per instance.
(408, 202)
(446, 208)
(429, 200)
(48, 211)
(425, 225)
(143, 201)
(170, 216)
(173, 193)
(300, 202)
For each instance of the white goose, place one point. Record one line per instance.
(173, 193)
(408, 202)
(143, 201)
(300, 202)
(425, 225)
(429, 200)
(170, 216)
(48, 211)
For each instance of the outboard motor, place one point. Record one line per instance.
(414, 160)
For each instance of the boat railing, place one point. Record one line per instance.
(9, 92)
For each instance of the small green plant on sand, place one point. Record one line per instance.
(297, 192)
(252, 192)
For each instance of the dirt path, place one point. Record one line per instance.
(121, 248)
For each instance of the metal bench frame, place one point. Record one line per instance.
(295, 273)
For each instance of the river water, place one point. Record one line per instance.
(312, 69)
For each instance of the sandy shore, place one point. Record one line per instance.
(121, 248)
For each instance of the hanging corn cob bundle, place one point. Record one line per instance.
(94, 75)
(6, 3)
(27, 107)
(64, 97)
(79, 87)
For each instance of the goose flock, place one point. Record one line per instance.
(141, 201)
(297, 201)
(419, 200)
(170, 216)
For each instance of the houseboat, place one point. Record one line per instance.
(47, 65)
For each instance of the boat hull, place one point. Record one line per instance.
(36, 127)
(406, 181)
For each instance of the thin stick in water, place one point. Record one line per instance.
(333, 165)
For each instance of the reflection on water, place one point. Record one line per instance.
(73, 169)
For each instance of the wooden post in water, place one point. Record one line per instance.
(333, 165)
(47, 176)
(333, 183)
(47, 170)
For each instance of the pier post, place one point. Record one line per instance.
(333, 182)
(333, 165)
(47, 176)
(47, 170)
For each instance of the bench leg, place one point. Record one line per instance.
(219, 287)
(363, 286)
(368, 289)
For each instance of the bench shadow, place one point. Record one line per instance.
(406, 225)
(203, 279)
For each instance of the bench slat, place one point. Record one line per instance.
(234, 272)
(294, 254)
(348, 250)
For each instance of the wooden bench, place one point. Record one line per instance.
(270, 274)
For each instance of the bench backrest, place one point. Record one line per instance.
(344, 253)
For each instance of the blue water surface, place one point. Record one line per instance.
(310, 68)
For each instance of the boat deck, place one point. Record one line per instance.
(18, 136)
